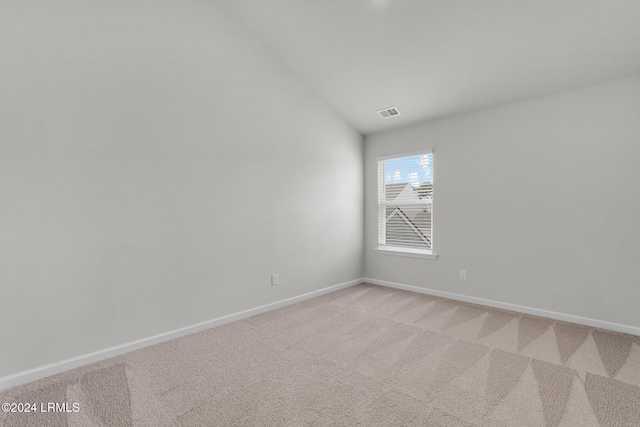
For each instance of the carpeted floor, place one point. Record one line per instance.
(363, 356)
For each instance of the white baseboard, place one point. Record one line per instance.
(76, 362)
(601, 324)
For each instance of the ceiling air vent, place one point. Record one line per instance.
(388, 112)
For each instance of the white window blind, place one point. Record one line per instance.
(405, 201)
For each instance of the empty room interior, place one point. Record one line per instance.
(320, 213)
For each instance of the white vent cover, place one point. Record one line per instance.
(385, 113)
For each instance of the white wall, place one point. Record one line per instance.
(157, 164)
(538, 200)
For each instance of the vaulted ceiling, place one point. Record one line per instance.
(434, 58)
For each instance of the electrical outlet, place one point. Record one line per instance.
(274, 280)
(463, 274)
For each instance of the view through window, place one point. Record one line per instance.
(405, 201)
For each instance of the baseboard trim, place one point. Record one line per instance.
(85, 359)
(586, 321)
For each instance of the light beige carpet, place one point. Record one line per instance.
(363, 356)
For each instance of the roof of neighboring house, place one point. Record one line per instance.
(392, 191)
(423, 222)
(405, 231)
(410, 225)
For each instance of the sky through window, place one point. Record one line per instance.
(415, 170)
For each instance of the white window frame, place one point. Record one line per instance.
(382, 248)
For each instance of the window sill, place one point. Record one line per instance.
(406, 253)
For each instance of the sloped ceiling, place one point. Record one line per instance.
(434, 58)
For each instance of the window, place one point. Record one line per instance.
(405, 202)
